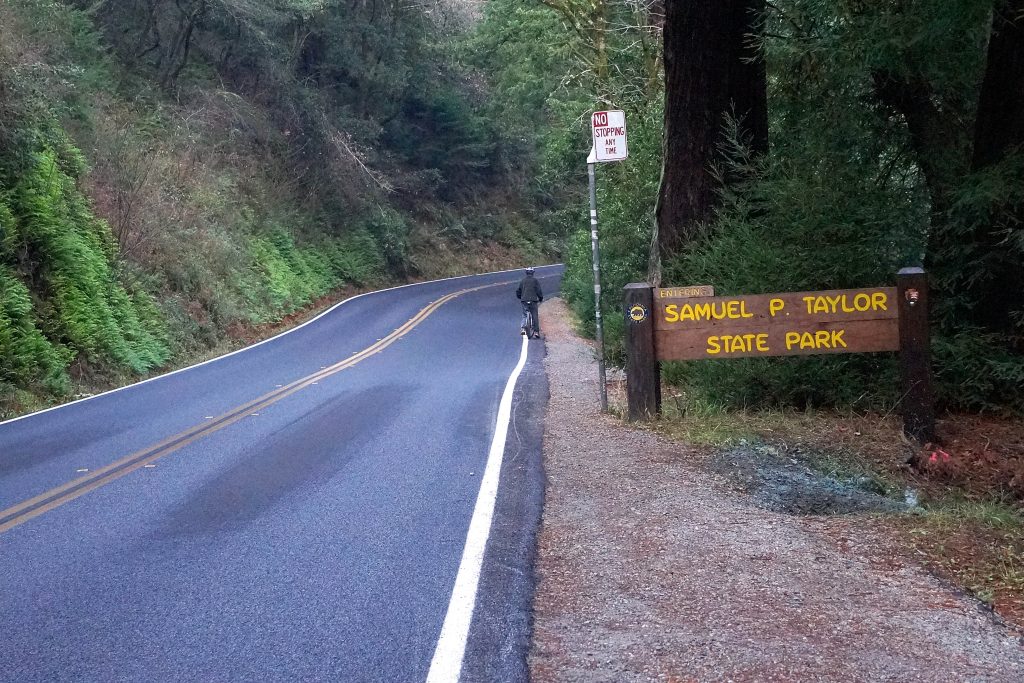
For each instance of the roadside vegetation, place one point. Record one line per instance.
(176, 176)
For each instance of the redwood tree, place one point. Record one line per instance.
(997, 290)
(713, 68)
(999, 127)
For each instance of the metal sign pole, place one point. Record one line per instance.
(608, 131)
(602, 383)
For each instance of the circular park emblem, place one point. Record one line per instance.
(638, 313)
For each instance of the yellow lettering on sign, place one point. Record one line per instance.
(738, 309)
(776, 305)
(735, 309)
(698, 312)
(738, 343)
(821, 339)
(862, 302)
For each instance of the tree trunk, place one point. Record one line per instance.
(713, 67)
(939, 141)
(998, 292)
(941, 148)
(1000, 123)
(190, 15)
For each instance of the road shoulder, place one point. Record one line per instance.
(499, 636)
(651, 567)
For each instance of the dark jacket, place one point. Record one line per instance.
(529, 290)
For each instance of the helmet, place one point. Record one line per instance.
(529, 271)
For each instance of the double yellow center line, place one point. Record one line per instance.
(65, 493)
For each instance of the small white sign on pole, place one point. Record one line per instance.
(609, 130)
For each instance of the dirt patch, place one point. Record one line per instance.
(979, 454)
(787, 485)
(652, 567)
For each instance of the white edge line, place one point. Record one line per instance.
(446, 665)
(261, 343)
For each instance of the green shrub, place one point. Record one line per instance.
(977, 371)
(26, 356)
(83, 307)
(291, 276)
(854, 381)
(278, 279)
(221, 181)
(391, 232)
(357, 258)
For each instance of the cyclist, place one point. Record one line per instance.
(530, 295)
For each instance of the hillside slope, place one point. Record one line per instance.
(173, 175)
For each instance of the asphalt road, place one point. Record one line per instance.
(294, 511)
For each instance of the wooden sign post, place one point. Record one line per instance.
(916, 398)
(689, 323)
(643, 372)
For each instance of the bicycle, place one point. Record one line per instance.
(529, 329)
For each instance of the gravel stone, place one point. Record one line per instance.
(651, 567)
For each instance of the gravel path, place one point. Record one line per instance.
(650, 569)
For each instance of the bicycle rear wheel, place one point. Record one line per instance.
(529, 324)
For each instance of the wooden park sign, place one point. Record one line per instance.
(690, 323)
(840, 321)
